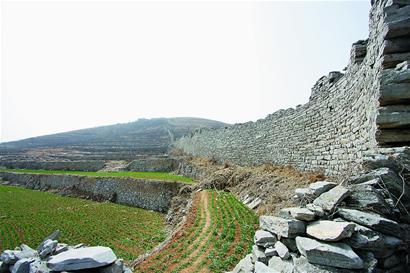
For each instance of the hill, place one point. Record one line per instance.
(126, 141)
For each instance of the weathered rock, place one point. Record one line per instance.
(304, 194)
(262, 268)
(330, 199)
(368, 239)
(116, 267)
(371, 220)
(320, 187)
(334, 254)
(22, 265)
(279, 265)
(9, 256)
(258, 254)
(289, 243)
(82, 258)
(391, 261)
(39, 267)
(367, 197)
(26, 252)
(302, 214)
(330, 231)
(48, 247)
(302, 265)
(245, 265)
(60, 248)
(317, 210)
(53, 236)
(282, 250)
(264, 238)
(271, 251)
(289, 228)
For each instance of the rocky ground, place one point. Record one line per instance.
(359, 225)
(52, 256)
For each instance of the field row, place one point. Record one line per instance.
(218, 233)
(143, 175)
(27, 216)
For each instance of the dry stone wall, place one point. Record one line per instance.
(337, 127)
(147, 194)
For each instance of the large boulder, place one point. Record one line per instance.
(82, 258)
(258, 254)
(282, 250)
(53, 236)
(335, 254)
(289, 228)
(320, 187)
(9, 256)
(330, 199)
(330, 231)
(371, 220)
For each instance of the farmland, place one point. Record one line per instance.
(143, 175)
(27, 216)
(217, 234)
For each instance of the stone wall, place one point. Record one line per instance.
(337, 127)
(90, 165)
(147, 194)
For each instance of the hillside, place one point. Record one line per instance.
(127, 141)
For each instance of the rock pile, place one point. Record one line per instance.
(52, 256)
(348, 227)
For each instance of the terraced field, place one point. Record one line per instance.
(142, 175)
(28, 216)
(217, 234)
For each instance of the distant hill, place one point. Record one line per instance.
(126, 141)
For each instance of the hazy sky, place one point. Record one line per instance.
(71, 65)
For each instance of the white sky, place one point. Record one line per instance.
(72, 65)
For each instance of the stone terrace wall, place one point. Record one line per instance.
(334, 130)
(146, 194)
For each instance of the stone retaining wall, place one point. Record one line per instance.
(342, 120)
(90, 165)
(146, 194)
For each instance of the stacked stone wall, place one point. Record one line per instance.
(337, 127)
(146, 194)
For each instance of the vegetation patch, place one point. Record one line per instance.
(218, 232)
(142, 175)
(27, 216)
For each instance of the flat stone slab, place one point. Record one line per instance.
(371, 220)
(302, 265)
(82, 258)
(329, 254)
(330, 199)
(264, 238)
(330, 231)
(289, 228)
(302, 214)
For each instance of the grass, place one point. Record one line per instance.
(143, 175)
(27, 216)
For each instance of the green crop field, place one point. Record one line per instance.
(218, 233)
(27, 216)
(143, 175)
